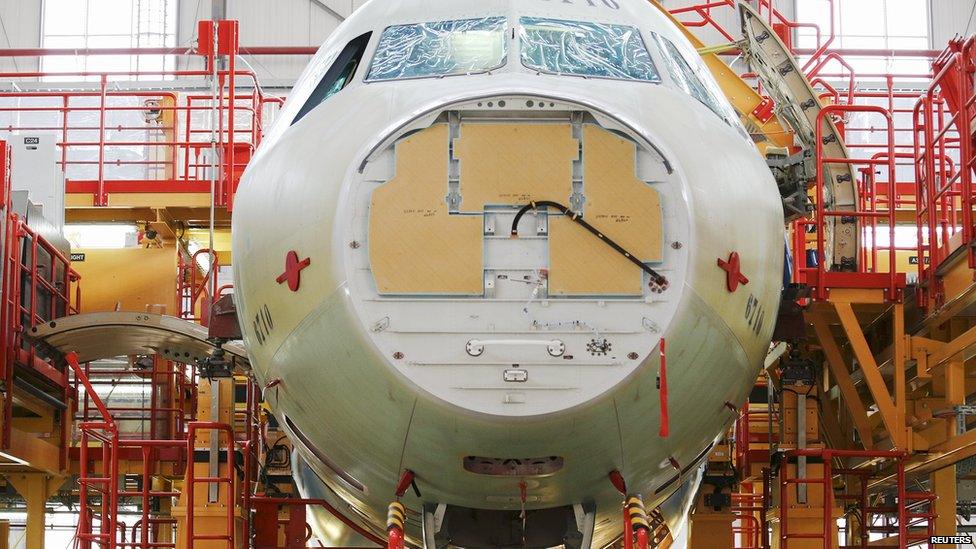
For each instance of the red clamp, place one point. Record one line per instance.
(733, 270)
(293, 270)
(662, 386)
(618, 481)
(764, 110)
(405, 481)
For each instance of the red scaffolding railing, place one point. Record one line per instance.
(197, 285)
(869, 215)
(943, 119)
(102, 448)
(912, 513)
(706, 16)
(101, 153)
(197, 142)
(38, 285)
(168, 397)
(749, 526)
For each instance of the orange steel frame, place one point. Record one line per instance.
(930, 138)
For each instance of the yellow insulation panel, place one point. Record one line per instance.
(415, 245)
(514, 164)
(621, 206)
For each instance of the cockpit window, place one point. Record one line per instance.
(694, 80)
(339, 75)
(443, 48)
(585, 49)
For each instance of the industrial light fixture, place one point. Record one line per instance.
(16, 460)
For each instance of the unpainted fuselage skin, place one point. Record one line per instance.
(373, 413)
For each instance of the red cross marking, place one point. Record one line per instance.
(734, 275)
(293, 270)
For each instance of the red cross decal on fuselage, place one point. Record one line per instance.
(734, 275)
(293, 270)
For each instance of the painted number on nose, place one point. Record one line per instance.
(755, 314)
(612, 4)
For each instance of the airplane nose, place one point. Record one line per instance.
(516, 255)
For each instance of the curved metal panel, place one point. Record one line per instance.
(798, 104)
(96, 336)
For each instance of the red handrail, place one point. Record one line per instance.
(193, 176)
(192, 480)
(943, 123)
(865, 213)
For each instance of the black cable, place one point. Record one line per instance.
(656, 277)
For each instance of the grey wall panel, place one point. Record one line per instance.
(278, 23)
(950, 18)
(21, 29)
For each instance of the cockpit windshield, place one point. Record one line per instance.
(690, 74)
(586, 49)
(443, 48)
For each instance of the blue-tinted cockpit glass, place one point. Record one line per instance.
(586, 49)
(442, 48)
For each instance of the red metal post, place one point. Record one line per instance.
(628, 530)
(902, 505)
(665, 428)
(643, 541)
(192, 480)
(102, 198)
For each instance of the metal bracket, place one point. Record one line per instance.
(476, 347)
(960, 412)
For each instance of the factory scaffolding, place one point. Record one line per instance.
(884, 357)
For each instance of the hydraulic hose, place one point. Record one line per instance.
(656, 277)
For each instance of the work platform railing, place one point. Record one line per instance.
(944, 164)
(115, 141)
(37, 285)
(198, 286)
(873, 115)
(812, 268)
(706, 16)
(158, 400)
(120, 475)
(911, 512)
(143, 141)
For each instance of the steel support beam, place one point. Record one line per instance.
(36, 489)
(944, 480)
(893, 420)
(838, 368)
(961, 348)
